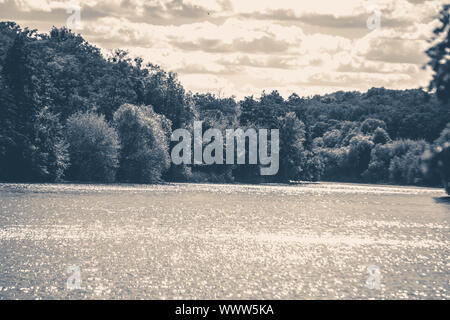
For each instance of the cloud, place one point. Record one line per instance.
(260, 61)
(264, 44)
(396, 47)
(244, 47)
(327, 20)
(351, 21)
(397, 51)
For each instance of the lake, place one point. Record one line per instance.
(212, 241)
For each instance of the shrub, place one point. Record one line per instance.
(178, 173)
(93, 148)
(210, 177)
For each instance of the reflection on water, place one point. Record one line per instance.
(208, 241)
(443, 200)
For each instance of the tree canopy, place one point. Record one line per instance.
(69, 112)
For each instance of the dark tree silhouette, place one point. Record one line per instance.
(439, 54)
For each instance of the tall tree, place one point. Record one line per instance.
(50, 156)
(292, 153)
(144, 137)
(17, 109)
(439, 54)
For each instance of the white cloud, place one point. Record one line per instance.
(243, 47)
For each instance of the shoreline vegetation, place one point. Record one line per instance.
(268, 184)
(70, 114)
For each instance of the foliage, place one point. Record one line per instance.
(440, 158)
(50, 156)
(144, 137)
(292, 155)
(380, 136)
(359, 154)
(369, 126)
(48, 81)
(407, 168)
(439, 56)
(93, 148)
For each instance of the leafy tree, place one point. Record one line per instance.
(248, 108)
(319, 129)
(407, 168)
(292, 137)
(19, 103)
(331, 138)
(144, 137)
(50, 156)
(380, 159)
(263, 113)
(47, 78)
(440, 57)
(93, 148)
(359, 154)
(370, 125)
(164, 92)
(440, 160)
(223, 111)
(313, 166)
(380, 136)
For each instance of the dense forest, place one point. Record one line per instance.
(68, 113)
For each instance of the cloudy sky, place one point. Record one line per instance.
(241, 47)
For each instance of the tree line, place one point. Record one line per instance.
(70, 114)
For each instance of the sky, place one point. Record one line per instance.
(242, 47)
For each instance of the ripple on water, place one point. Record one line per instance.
(206, 241)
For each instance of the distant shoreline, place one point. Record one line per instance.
(293, 183)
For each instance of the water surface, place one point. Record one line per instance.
(209, 241)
